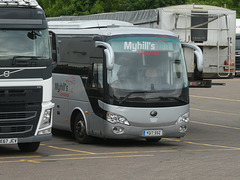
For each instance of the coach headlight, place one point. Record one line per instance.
(115, 118)
(183, 118)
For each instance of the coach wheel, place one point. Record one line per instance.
(79, 130)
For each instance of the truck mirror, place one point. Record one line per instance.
(198, 53)
(54, 48)
(108, 51)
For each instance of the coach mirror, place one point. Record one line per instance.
(54, 48)
(108, 53)
(198, 54)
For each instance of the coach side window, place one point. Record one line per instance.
(97, 81)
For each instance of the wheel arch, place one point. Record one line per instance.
(75, 112)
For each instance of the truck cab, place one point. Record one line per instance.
(26, 63)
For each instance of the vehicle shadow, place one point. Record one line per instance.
(9, 149)
(63, 135)
(67, 136)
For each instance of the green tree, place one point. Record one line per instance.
(55, 7)
(85, 7)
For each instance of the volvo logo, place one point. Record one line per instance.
(153, 113)
(6, 74)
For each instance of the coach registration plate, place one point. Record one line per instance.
(9, 141)
(152, 133)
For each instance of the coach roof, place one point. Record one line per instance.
(102, 27)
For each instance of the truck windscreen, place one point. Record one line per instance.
(34, 43)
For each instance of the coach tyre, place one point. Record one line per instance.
(79, 130)
(28, 147)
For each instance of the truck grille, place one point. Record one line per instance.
(15, 129)
(19, 116)
(20, 109)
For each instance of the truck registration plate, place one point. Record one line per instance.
(152, 133)
(9, 141)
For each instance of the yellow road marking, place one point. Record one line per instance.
(212, 145)
(216, 125)
(219, 112)
(73, 158)
(169, 139)
(95, 157)
(204, 144)
(16, 161)
(221, 148)
(215, 98)
(137, 153)
(65, 155)
(73, 150)
(20, 157)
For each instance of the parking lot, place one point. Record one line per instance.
(210, 149)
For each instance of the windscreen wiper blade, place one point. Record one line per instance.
(176, 98)
(136, 92)
(129, 94)
(25, 60)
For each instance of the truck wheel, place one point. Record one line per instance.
(153, 139)
(28, 147)
(79, 130)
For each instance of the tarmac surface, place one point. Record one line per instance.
(210, 149)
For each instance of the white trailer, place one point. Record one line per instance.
(209, 27)
(237, 60)
(237, 26)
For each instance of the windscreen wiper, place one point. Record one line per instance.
(25, 60)
(136, 92)
(176, 98)
(129, 94)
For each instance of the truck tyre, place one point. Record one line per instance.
(152, 140)
(28, 147)
(79, 130)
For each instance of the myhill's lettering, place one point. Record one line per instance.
(61, 87)
(136, 46)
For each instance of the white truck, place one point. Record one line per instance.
(25, 74)
(237, 26)
(237, 47)
(209, 27)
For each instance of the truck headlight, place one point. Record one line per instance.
(183, 118)
(46, 120)
(115, 118)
